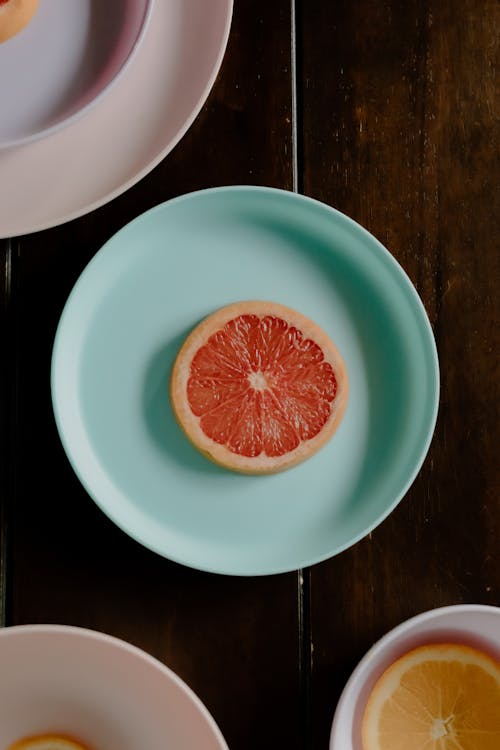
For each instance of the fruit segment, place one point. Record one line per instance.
(258, 382)
(437, 697)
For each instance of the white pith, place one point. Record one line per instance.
(258, 381)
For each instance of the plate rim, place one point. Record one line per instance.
(251, 571)
(385, 639)
(54, 629)
(41, 225)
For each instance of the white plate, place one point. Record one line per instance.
(63, 62)
(110, 695)
(140, 120)
(472, 624)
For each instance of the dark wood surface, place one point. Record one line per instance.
(392, 117)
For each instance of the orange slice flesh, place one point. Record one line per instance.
(436, 697)
(47, 742)
(14, 16)
(257, 387)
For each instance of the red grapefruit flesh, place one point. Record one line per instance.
(14, 16)
(257, 387)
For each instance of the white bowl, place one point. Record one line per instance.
(473, 624)
(103, 691)
(63, 62)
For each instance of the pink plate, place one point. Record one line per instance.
(129, 132)
(100, 690)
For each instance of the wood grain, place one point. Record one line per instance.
(235, 641)
(400, 131)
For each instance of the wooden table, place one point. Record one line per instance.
(384, 109)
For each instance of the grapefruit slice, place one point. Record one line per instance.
(47, 742)
(437, 697)
(14, 16)
(258, 387)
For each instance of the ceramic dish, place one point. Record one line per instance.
(101, 690)
(55, 179)
(471, 624)
(65, 60)
(125, 321)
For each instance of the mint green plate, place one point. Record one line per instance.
(125, 321)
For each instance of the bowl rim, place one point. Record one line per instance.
(65, 122)
(390, 637)
(12, 631)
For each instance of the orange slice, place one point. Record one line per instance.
(14, 16)
(258, 387)
(437, 697)
(47, 742)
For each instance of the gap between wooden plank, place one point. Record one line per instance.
(297, 120)
(305, 655)
(304, 574)
(8, 410)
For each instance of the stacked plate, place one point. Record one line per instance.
(96, 689)
(92, 95)
(473, 625)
